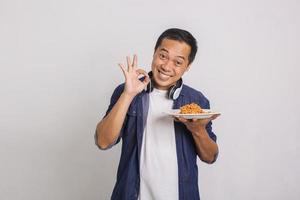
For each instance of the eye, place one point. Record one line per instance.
(162, 56)
(178, 63)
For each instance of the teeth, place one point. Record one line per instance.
(163, 76)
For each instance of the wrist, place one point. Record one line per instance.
(200, 132)
(128, 96)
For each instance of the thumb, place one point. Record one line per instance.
(146, 80)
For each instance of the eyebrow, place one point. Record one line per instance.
(163, 49)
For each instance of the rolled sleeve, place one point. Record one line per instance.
(113, 100)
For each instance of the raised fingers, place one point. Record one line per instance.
(134, 64)
(129, 64)
(123, 68)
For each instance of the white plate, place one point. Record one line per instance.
(206, 114)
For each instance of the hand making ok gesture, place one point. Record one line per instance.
(133, 85)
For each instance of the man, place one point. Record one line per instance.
(159, 154)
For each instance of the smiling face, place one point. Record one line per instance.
(170, 61)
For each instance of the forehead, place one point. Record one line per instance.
(175, 48)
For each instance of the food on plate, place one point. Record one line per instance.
(192, 108)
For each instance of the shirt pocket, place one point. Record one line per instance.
(132, 111)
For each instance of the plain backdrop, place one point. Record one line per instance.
(59, 68)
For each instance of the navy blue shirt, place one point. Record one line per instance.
(128, 175)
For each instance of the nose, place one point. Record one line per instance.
(167, 66)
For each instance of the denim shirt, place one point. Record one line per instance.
(128, 175)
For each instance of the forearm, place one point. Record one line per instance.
(108, 129)
(207, 149)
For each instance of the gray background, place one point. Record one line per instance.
(58, 63)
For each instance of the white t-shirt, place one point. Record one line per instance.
(158, 163)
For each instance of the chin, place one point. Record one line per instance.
(163, 84)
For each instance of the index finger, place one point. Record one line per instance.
(143, 72)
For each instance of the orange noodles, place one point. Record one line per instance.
(192, 108)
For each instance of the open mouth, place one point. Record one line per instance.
(163, 76)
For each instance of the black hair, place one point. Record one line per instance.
(181, 36)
